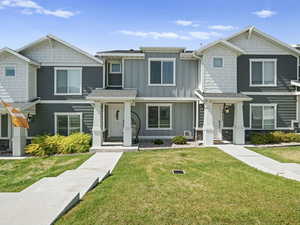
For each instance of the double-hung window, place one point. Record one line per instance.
(263, 116)
(263, 72)
(68, 81)
(10, 71)
(68, 123)
(159, 116)
(161, 72)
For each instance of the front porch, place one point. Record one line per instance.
(112, 123)
(215, 106)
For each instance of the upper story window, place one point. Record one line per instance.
(161, 72)
(115, 67)
(159, 116)
(68, 81)
(263, 72)
(217, 62)
(263, 116)
(10, 71)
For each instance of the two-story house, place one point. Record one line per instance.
(225, 90)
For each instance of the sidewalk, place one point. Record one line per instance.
(263, 163)
(49, 198)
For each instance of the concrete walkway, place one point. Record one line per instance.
(49, 198)
(263, 163)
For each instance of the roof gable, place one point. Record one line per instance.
(8, 50)
(225, 43)
(49, 41)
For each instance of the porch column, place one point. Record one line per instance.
(127, 130)
(208, 126)
(97, 126)
(18, 141)
(238, 126)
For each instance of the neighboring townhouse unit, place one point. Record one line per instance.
(225, 90)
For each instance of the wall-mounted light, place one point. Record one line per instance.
(29, 117)
(227, 108)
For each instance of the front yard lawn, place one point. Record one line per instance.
(16, 175)
(216, 189)
(281, 154)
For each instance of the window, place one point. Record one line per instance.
(67, 123)
(217, 62)
(263, 116)
(263, 72)
(68, 81)
(162, 72)
(159, 116)
(115, 68)
(10, 71)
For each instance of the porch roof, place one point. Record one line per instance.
(226, 97)
(112, 94)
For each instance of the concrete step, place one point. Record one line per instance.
(35, 208)
(77, 184)
(82, 173)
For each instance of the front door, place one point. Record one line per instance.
(218, 121)
(115, 120)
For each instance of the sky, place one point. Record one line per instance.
(96, 25)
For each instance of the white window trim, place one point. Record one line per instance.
(66, 114)
(67, 68)
(275, 116)
(162, 60)
(263, 60)
(9, 65)
(110, 67)
(171, 116)
(218, 57)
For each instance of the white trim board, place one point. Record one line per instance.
(270, 93)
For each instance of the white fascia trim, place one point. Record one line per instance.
(67, 68)
(165, 99)
(271, 93)
(50, 36)
(187, 56)
(72, 64)
(159, 105)
(129, 55)
(111, 99)
(163, 49)
(295, 83)
(65, 102)
(225, 43)
(19, 56)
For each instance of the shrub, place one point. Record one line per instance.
(49, 145)
(274, 138)
(158, 142)
(179, 140)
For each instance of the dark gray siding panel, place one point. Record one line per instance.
(286, 109)
(182, 119)
(92, 77)
(136, 76)
(4, 125)
(286, 71)
(43, 121)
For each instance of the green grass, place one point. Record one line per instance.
(216, 189)
(281, 154)
(16, 175)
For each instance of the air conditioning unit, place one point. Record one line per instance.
(187, 133)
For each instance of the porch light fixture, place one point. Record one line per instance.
(29, 117)
(227, 108)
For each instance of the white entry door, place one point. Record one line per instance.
(115, 120)
(218, 121)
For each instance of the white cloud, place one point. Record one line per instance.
(154, 35)
(30, 7)
(186, 23)
(172, 35)
(265, 13)
(204, 35)
(222, 27)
